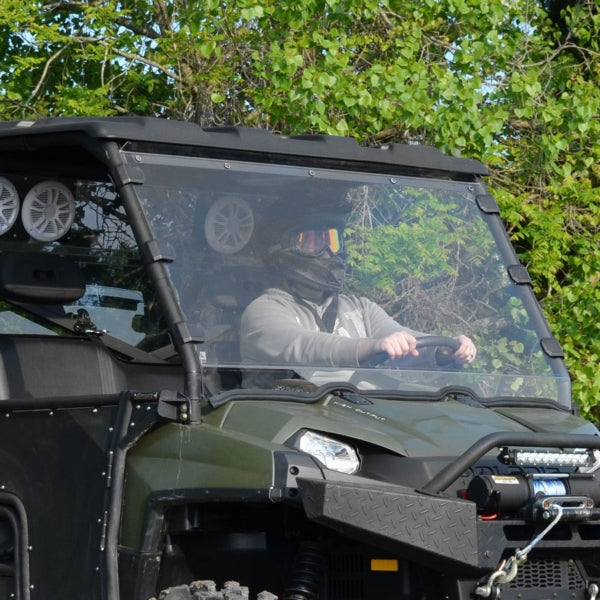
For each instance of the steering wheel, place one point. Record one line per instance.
(442, 341)
(427, 341)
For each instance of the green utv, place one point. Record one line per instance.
(156, 442)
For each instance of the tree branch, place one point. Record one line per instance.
(129, 55)
(40, 83)
(79, 7)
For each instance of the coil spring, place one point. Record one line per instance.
(307, 574)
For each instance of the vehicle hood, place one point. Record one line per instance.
(409, 428)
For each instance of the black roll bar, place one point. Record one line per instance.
(455, 469)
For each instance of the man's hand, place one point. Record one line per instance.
(401, 344)
(466, 352)
(398, 345)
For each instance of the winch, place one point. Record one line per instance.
(536, 494)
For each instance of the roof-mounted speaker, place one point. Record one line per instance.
(9, 205)
(48, 211)
(229, 224)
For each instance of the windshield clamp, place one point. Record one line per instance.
(487, 204)
(83, 324)
(552, 348)
(519, 274)
(174, 406)
(153, 252)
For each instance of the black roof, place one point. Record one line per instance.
(147, 130)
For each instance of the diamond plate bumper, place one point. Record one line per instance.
(397, 518)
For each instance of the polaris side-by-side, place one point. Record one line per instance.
(162, 427)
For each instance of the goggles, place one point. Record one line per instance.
(313, 242)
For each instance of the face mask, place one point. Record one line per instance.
(314, 277)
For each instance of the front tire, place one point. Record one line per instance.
(207, 590)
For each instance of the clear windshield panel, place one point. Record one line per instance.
(292, 273)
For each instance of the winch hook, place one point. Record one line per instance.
(508, 569)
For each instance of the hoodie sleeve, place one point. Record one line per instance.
(275, 330)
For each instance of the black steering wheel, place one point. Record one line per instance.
(427, 341)
(441, 341)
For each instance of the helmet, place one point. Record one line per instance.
(310, 255)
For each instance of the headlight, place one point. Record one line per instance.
(333, 454)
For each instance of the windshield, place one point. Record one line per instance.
(296, 274)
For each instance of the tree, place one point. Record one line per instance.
(512, 83)
(549, 184)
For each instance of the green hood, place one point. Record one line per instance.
(415, 428)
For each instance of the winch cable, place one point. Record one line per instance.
(507, 570)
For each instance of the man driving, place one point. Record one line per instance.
(307, 320)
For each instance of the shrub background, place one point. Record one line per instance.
(514, 83)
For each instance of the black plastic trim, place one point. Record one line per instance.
(12, 509)
(242, 139)
(159, 501)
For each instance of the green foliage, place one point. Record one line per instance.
(512, 83)
(428, 258)
(417, 243)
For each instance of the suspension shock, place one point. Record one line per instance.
(308, 573)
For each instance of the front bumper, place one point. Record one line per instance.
(396, 518)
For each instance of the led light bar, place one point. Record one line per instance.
(543, 458)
